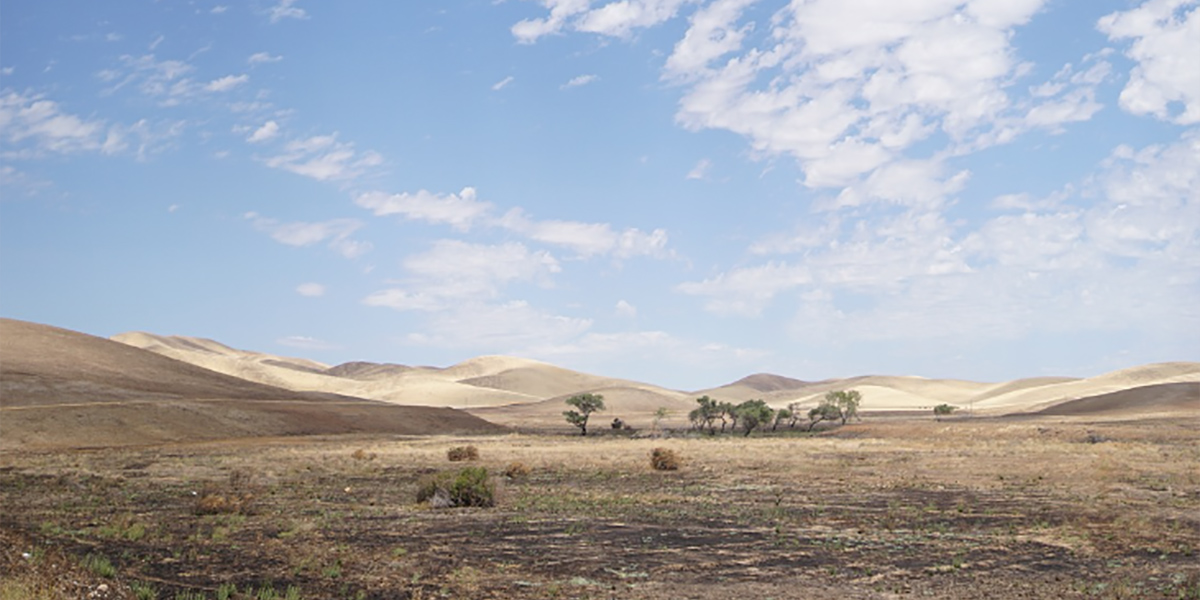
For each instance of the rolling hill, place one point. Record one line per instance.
(63, 388)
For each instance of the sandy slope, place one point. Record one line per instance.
(1153, 399)
(64, 388)
(479, 382)
(1045, 396)
(633, 404)
(513, 390)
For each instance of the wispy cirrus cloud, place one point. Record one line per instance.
(614, 19)
(465, 210)
(336, 233)
(286, 9)
(324, 158)
(457, 210)
(267, 131)
(167, 81)
(453, 272)
(259, 58)
(579, 81)
(503, 83)
(32, 126)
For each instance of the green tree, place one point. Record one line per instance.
(781, 415)
(706, 414)
(943, 410)
(753, 413)
(585, 405)
(825, 411)
(728, 415)
(847, 402)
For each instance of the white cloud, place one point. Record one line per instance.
(226, 83)
(337, 232)
(310, 290)
(269, 130)
(747, 291)
(617, 19)
(459, 211)
(454, 272)
(587, 239)
(846, 86)
(579, 81)
(324, 158)
(1056, 266)
(508, 327)
(154, 44)
(464, 210)
(625, 309)
(712, 34)
(1165, 41)
(286, 10)
(529, 30)
(499, 85)
(219, 9)
(656, 348)
(35, 126)
(259, 58)
(700, 171)
(305, 343)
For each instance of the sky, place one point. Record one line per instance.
(682, 192)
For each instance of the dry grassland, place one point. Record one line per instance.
(1033, 508)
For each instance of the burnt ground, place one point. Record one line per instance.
(960, 510)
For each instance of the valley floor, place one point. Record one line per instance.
(1000, 508)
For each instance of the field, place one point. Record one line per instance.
(889, 507)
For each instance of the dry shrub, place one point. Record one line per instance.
(235, 497)
(212, 502)
(361, 454)
(461, 453)
(664, 459)
(469, 486)
(516, 470)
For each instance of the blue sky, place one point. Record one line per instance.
(682, 192)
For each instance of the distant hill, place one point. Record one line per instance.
(63, 388)
(1141, 400)
(517, 391)
(485, 381)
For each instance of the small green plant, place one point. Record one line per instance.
(100, 565)
(664, 459)
(143, 591)
(266, 592)
(226, 591)
(470, 486)
(462, 453)
(191, 595)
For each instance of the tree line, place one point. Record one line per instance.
(841, 405)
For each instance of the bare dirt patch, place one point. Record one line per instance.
(1032, 508)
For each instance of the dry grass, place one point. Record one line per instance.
(664, 459)
(957, 509)
(462, 453)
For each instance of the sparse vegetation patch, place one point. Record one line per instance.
(470, 486)
(462, 453)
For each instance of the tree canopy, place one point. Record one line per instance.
(585, 405)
